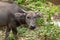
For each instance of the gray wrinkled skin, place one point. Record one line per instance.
(7, 10)
(7, 17)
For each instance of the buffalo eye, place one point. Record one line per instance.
(28, 17)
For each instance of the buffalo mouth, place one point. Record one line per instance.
(32, 27)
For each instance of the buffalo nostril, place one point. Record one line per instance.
(32, 27)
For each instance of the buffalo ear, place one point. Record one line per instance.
(18, 14)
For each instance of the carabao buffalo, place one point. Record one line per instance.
(12, 16)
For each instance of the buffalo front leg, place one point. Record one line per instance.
(14, 30)
(7, 33)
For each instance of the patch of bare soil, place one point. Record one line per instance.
(2, 34)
